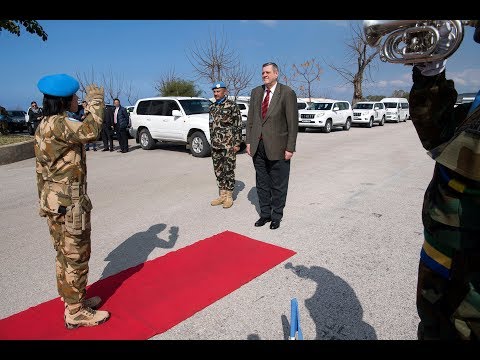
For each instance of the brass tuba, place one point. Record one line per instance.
(413, 41)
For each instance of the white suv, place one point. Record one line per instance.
(369, 113)
(325, 115)
(173, 119)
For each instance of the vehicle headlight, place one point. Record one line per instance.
(320, 114)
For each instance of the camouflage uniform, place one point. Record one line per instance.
(448, 299)
(225, 134)
(62, 189)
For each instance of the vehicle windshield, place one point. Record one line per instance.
(363, 106)
(320, 106)
(196, 106)
(390, 105)
(14, 113)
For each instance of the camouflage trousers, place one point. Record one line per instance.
(73, 247)
(448, 286)
(224, 161)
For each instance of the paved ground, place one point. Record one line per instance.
(352, 216)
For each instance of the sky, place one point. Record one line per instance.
(141, 52)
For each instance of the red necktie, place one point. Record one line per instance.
(265, 104)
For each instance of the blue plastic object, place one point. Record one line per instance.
(295, 328)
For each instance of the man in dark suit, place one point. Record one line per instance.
(107, 129)
(121, 121)
(272, 128)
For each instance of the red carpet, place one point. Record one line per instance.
(152, 297)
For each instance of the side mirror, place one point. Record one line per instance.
(336, 108)
(176, 113)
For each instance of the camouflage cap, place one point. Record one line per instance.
(61, 85)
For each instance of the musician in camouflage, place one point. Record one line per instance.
(225, 138)
(61, 171)
(448, 288)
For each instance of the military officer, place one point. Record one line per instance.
(61, 171)
(226, 139)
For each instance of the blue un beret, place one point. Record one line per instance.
(218, 85)
(61, 85)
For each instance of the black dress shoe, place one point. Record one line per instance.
(262, 221)
(275, 224)
(111, 150)
(106, 149)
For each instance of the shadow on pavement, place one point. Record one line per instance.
(334, 307)
(253, 198)
(135, 250)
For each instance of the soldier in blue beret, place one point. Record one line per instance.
(62, 188)
(226, 139)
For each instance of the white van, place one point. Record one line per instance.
(397, 109)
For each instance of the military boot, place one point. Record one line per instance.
(220, 199)
(228, 199)
(85, 317)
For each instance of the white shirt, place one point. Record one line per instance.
(272, 90)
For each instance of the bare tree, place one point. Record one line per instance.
(85, 79)
(114, 86)
(362, 54)
(131, 94)
(214, 61)
(239, 79)
(307, 74)
(287, 73)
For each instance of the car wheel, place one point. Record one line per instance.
(199, 146)
(347, 125)
(382, 122)
(328, 126)
(370, 122)
(301, 129)
(146, 140)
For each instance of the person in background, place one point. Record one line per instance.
(3, 121)
(107, 129)
(82, 114)
(35, 114)
(121, 121)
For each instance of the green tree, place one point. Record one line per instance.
(178, 87)
(32, 26)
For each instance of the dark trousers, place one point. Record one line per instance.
(122, 138)
(107, 138)
(271, 182)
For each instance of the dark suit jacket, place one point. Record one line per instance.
(279, 128)
(122, 117)
(108, 118)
